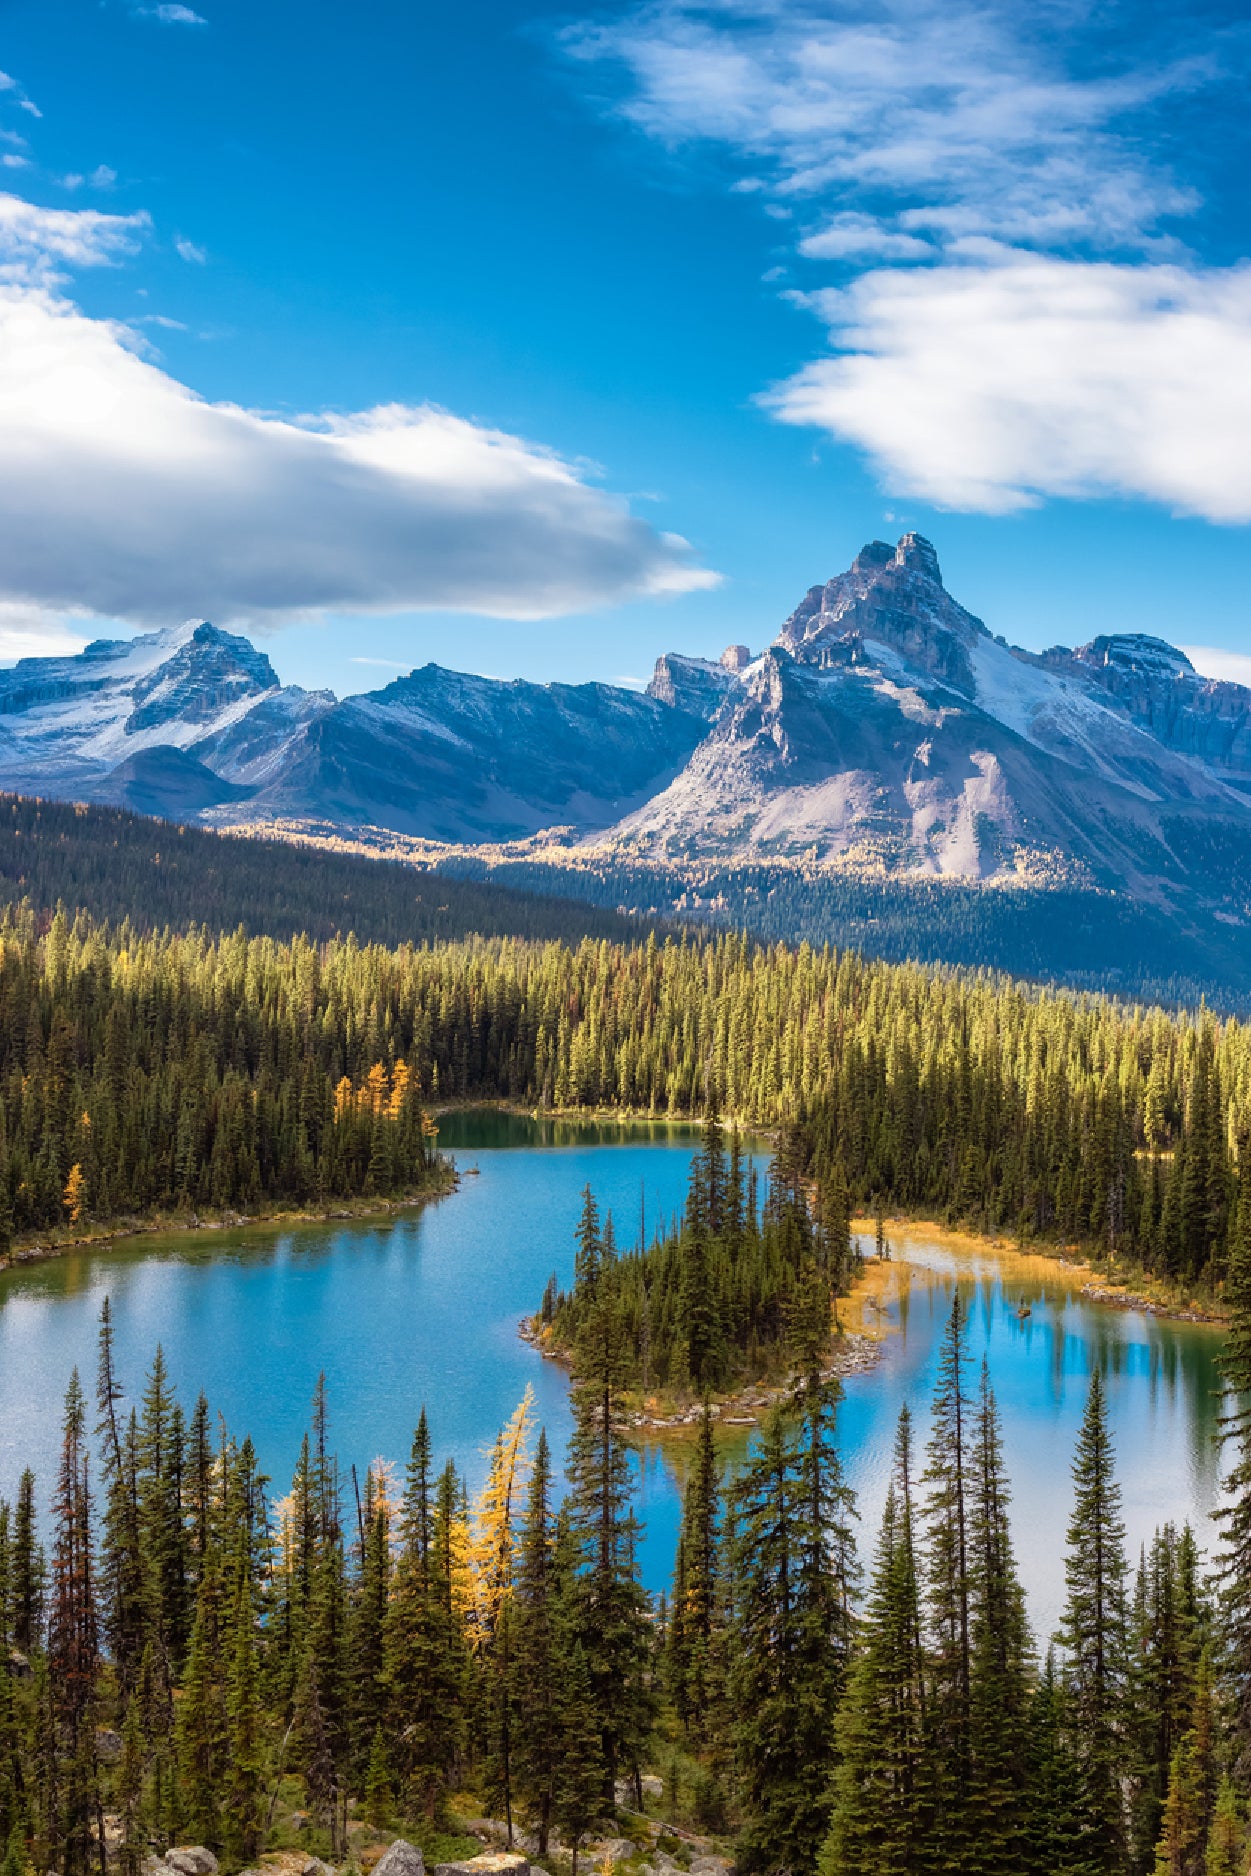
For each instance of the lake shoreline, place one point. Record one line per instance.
(1153, 1296)
(851, 1353)
(126, 1231)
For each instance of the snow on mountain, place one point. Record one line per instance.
(885, 726)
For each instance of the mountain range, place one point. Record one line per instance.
(883, 731)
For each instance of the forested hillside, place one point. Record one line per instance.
(118, 865)
(1106, 941)
(200, 1069)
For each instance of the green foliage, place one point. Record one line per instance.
(121, 866)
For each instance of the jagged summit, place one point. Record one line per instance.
(884, 726)
(892, 597)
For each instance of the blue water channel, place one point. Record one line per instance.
(423, 1308)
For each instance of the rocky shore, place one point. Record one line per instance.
(849, 1354)
(1149, 1305)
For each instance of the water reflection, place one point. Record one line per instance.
(423, 1308)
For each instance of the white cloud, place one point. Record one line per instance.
(1233, 667)
(30, 632)
(102, 177)
(173, 15)
(943, 107)
(992, 381)
(123, 493)
(11, 160)
(10, 84)
(1028, 325)
(188, 251)
(35, 242)
(851, 235)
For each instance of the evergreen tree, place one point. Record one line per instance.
(879, 1820)
(1234, 1561)
(999, 1656)
(1093, 1633)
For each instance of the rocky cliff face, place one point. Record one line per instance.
(887, 725)
(1160, 690)
(884, 726)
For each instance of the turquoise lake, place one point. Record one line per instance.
(423, 1308)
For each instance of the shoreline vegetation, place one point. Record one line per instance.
(117, 1234)
(201, 1074)
(1131, 1288)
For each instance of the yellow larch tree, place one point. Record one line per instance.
(493, 1553)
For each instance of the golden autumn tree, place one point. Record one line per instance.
(75, 1195)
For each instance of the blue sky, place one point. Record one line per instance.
(399, 332)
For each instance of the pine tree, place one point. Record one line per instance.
(696, 1598)
(1093, 1633)
(879, 1819)
(1234, 1560)
(792, 1571)
(949, 1475)
(1191, 1800)
(536, 1657)
(1227, 1841)
(245, 1724)
(423, 1647)
(614, 1623)
(122, 1567)
(73, 1641)
(999, 1654)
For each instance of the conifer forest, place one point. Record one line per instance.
(200, 1654)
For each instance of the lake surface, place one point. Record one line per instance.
(423, 1307)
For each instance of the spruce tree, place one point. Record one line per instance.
(1234, 1560)
(999, 1655)
(1093, 1634)
(879, 1823)
(949, 1475)
(536, 1654)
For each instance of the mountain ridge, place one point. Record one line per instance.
(883, 729)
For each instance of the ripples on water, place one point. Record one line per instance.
(424, 1307)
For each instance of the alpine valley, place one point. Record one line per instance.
(887, 771)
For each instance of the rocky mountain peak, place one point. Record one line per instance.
(919, 556)
(892, 597)
(208, 672)
(1137, 652)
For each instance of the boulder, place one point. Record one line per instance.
(493, 1863)
(192, 1859)
(109, 1750)
(653, 1787)
(710, 1866)
(402, 1859)
(620, 1849)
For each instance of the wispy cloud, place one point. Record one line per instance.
(30, 632)
(995, 380)
(1015, 314)
(1233, 667)
(172, 15)
(35, 243)
(125, 494)
(190, 251)
(16, 91)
